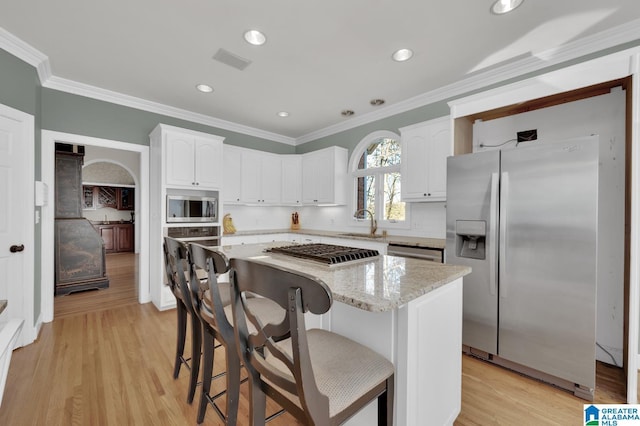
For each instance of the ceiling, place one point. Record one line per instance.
(320, 57)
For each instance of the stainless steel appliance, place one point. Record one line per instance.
(205, 235)
(325, 253)
(427, 253)
(191, 208)
(525, 220)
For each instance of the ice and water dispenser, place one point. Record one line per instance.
(471, 236)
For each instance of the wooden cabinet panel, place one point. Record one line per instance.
(117, 237)
(88, 197)
(109, 237)
(126, 199)
(124, 237)
(107, 197)
(97, 197)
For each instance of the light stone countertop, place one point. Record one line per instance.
(434, 243)
(377, 285)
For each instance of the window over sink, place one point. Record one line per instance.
(375, 167)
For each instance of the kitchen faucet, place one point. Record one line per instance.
(374, 224)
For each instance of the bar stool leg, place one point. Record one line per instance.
(257, 404)
(207, 371)
(233, 386)
(196, 349)
(182, 332)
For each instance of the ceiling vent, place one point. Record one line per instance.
(230, 59)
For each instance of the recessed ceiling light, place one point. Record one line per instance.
(283, 114)
(376, 102)
(402, 55)
(255, 37)
(204, 88)
(500, 7)
(347, 113)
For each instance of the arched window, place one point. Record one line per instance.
(375, 167)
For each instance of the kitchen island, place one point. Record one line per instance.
(408, 310)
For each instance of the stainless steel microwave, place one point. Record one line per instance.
(190, 208)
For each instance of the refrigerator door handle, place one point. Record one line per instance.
(493, 226)
(502, 262)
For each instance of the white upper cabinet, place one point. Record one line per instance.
(425, 148)
(324, 175)
(208, 160)
(271, 179)
(291, 180)
(253, 177)
(232, 179)
(261, 178)
(192, 160)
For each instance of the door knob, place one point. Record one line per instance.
(15, 249)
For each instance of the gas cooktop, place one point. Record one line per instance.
(325, 253)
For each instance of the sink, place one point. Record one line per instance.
(361, 235)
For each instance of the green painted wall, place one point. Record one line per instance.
(65, 112)
(19, 84)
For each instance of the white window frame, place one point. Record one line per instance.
(378, 172)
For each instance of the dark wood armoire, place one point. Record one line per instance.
(79, 249)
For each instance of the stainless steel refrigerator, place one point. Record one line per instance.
(525, 220)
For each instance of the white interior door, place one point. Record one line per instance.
(16, 215)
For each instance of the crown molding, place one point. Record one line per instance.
(40, 61)
(94, 92)
(26, 52)
(534, 62)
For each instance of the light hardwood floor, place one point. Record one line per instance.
(107, 360)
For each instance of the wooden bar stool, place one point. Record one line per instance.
(174, 260)
(319, 377)
(217, 323)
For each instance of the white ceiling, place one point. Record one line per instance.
(320, 57)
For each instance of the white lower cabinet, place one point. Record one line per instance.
(271, 238)
(236, 240)
(428, 377)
